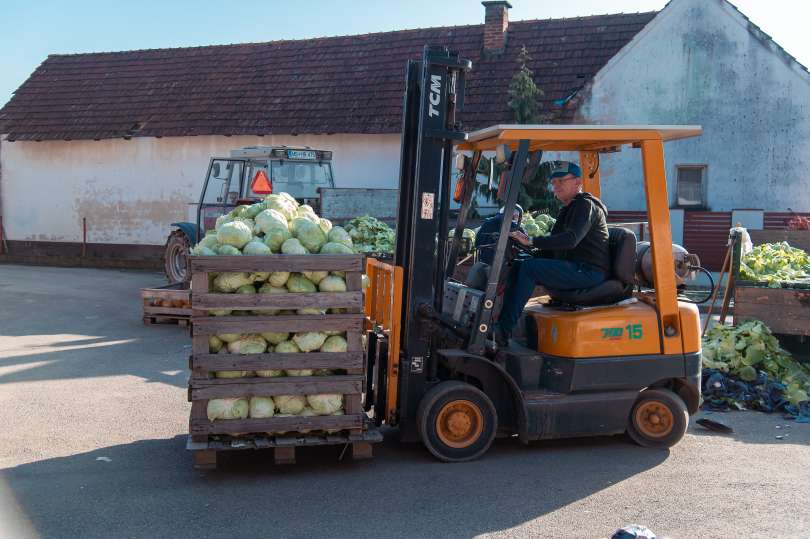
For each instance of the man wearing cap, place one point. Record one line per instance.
(574, 255)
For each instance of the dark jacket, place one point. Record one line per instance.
(488, 234)
(580, 234)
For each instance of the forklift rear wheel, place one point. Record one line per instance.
(457, 421)
(659, 419)
(174, 263)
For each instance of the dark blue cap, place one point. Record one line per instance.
(564, 168)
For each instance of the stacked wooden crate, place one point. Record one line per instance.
(283, 434)
(167, 304)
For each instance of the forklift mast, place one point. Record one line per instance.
(433, 95)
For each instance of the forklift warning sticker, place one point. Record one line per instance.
(427, 205)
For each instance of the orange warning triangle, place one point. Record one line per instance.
(261, 184)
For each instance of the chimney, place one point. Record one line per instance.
(496, 21)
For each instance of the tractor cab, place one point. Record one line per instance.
(601, 361)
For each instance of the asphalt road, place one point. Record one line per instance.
(93, 411)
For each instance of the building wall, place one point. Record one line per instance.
(701, 62)
(130, 191)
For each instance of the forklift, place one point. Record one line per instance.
(609, 360)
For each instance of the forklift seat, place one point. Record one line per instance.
(618, 286)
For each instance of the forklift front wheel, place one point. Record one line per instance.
(457, 421)
(659, 419)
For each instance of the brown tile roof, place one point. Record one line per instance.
(348, 84)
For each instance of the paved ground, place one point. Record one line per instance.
(93, 409)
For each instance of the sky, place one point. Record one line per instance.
(33, 29)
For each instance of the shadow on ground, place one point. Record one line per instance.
(149, 488)
(62, 323)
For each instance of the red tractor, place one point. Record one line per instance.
(244, 178)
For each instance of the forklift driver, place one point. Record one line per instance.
(575, 255)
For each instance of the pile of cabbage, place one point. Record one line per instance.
(751, 353)
(539, 224)
(775, 263)
(371, 235)
(280, 343)
(277, 406)
(278, 224)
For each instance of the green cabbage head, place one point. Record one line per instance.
(297, 283)
(293, 246)
(227, 409)
(326, 403)
(309, 340)
(248, 344)
(290, 404)
(332, 283)
(235, 233)
(262, 407)
(230, 281)
(335, 343)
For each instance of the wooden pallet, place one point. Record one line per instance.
(283, 446)
(276, 431)
(169, 304)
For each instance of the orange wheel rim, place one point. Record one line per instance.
(459, 424)
(654, 419)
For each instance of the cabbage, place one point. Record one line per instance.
(214, 344)
(287, 347)
(325, 224)
(221, 220)
(231, 374)
(271, 373)
(309, 234)
(259, 276)
(227, 250)
(278, 278)
(338, 234)
(275, 338)
(290, 404)
(309, 340)
(370, 235)
(246, 289)
(248, 344)
(326, 403)
(365, 282)
(775, 263)
(203, 251)
(299, 372)
(323, 372)
(315, 276)
(268, 218)
(293, 246)
(332, 283)
(311, 310)
(335, 343)
(255, 209)
(219, 312)
(262, 407)
(332, 248)
(299, 284)
(230, 281)
(286, 206)
(256, 248)
(228, 337)
(227, 409)
(275, 236)
(235, 233)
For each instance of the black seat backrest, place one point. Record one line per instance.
(622, 245)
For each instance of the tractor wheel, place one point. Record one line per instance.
(174, 257)
(659, 419)
(457, 421)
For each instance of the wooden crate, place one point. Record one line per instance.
(167, 304)
(785, 310)
(281, 433)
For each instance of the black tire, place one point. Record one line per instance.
(174, 257)
(463, 406)
(659, 419)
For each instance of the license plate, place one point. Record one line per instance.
(300, 154)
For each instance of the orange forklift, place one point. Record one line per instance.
(619, 357)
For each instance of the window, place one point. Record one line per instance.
(691, 189)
